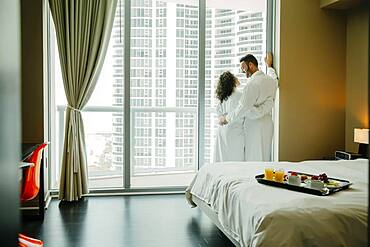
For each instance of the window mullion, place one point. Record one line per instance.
(126, 105)
(201, 81)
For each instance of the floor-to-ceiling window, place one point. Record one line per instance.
(164, 87)
(102, 115)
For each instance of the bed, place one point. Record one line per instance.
(253, 214)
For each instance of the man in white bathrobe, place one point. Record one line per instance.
(255, 105)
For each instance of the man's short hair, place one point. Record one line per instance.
(249, 58)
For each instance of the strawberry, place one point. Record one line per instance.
(314, 177)
(303, 177)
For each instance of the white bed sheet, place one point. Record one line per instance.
(259, 215)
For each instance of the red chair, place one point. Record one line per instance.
(31, 179)
(25, 241)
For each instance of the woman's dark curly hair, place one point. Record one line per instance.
(225, 87)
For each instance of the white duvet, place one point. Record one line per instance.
(260, 215)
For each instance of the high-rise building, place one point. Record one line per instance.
(117, 117)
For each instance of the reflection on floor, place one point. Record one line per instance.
(129, 221)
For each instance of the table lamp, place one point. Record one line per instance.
(361, 136)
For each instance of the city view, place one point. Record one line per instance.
(164, 90)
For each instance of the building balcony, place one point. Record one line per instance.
(103, 149)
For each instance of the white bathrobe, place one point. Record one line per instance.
(229, 144)
(255, 107)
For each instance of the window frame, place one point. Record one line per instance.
(127, 134)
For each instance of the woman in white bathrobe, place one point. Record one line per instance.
(229, 144)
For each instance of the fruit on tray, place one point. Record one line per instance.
(332, 184)
(303, 178)
(323, 177)
(315, 177)
(293, 174)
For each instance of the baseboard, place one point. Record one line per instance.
(95, 193)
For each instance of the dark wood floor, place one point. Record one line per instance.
(129, 221)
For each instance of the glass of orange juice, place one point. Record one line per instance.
(279, 175)
(269, 173)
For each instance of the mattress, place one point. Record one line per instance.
(254, 214)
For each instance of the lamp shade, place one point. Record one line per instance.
(361, 136)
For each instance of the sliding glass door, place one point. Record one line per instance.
(151, 120)
(233, 29)
(164, 89)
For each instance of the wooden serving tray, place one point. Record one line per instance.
(343, 184)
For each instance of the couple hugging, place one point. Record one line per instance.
(246, 126)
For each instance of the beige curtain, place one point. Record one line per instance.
(83, 30)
